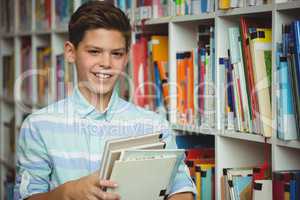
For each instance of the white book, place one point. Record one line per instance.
(143, 179)
(236, 172)
(262, 189)
(123, 143)
(116, 155)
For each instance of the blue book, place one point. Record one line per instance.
(212, 51)
(293, 187)
(295, 36)
(288, 123)
(206, 183)
(230, 90)
(204, 6)
(297, 176)
(158, 89)
(241, 184)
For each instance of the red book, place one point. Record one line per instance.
(249, 68)
(139, 58)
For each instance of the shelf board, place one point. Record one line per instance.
(188, 18)
(183, 18)
(193, 130)
(244, 136)
(6, 164)
(42, 32)
(8, 100)
(246, 10)
(288, 5)
(60, 30)
(291, 144)
(25, 33)
(7, 35)
(154, 21)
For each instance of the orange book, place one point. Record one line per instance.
(190, 88)
(164, 81)
(180, 87)
(160, 48)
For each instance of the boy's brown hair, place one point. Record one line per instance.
(98, 14)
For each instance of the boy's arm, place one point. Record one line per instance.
(183, 183)
(182, 196)
(88, 187)
(34, 168)
(33, 165)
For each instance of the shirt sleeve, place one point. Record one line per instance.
(182, 181)
(33, 166)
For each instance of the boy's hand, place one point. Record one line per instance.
(90, 188)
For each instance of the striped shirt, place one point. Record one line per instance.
(65, 141)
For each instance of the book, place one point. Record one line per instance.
(262, 189)
(140, 171)
(260, 48)
(287, 130)
(121, 144)
(137, 160)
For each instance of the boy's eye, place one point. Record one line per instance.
(93, 52)
(118, 54)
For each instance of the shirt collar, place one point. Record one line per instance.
(85, 110)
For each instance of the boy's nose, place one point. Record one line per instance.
(106, 59)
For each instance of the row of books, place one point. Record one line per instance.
(150, 75)
(201, 163)
(286, 185)
(43, 76)
(43, 14)
(9, 186)
(63, 12)
(245, 183)
(160, 8)
(25, 68)
(246, 74)
(147, 9)
(8, 171)
(195, 81)
(42, 9)
(7, 18)
(288, 82)
(25, 12)
(8, 76)
(124, 5)
(229, 4)
(65, 77)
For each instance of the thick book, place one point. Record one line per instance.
(260, 47)
(288, 129)
(262, 189)
(133, 161)
(113, 146)
(144, 178)
(137, 167)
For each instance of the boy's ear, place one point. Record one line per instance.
(69, 51)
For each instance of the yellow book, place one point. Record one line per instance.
(160, 48)
(198, 181)
(287, 192)
(224, 4)
(261, 48)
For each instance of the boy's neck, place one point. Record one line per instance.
(99, 101)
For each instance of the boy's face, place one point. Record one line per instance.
(100, 58)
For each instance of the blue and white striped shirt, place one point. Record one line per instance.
(65, 141)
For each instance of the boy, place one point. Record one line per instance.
(60, 146)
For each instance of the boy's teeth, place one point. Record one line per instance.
(100, 75)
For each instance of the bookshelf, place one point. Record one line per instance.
(232, 148)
